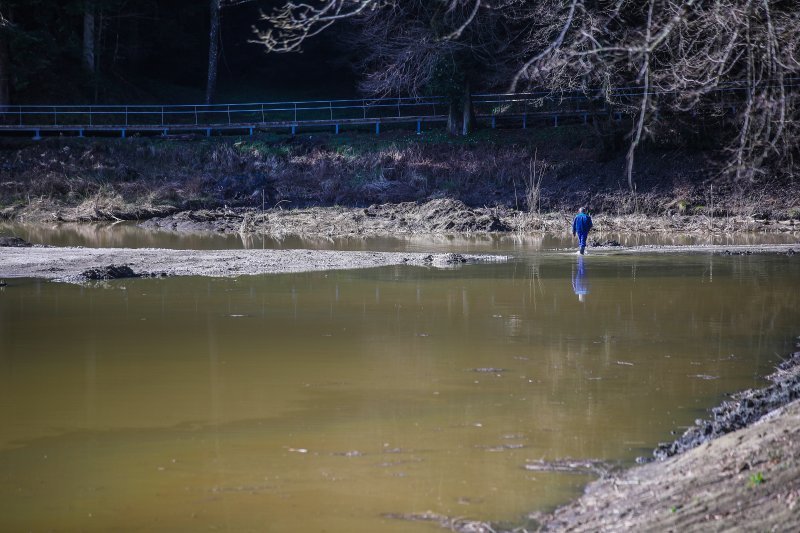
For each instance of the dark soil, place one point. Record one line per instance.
(110, 272)
(743, 409)
(13, 242)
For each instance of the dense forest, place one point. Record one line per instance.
(153, 51)
(674, 66)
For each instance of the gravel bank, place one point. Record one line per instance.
(69, 264)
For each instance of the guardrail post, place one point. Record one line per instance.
(330, 105)
(494, 122)
(90, 116)
(524, 121)
(398, 107)
(364, 108)
(164, 134)
(55, 116)
(555, 121)
(195, 116)
(419, 127)
(262, 114)
(586, 118)
(20, 115)
(251, 131)
(126, 115)
(294, 129)
(377, 128)
(337, 129)
(229, 114)
(37, 136)
(162, 116)
(295, 116)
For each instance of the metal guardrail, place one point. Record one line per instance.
(314, 113)
(200, 115)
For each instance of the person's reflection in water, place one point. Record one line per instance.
(579, 284)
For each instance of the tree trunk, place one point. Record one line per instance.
(213, 51)
(135, 50)
(89, 38)
(468, 123)
(5, 72)
(453, 126)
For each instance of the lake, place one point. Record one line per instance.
(327, 401)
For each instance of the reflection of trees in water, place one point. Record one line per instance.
(426, 242)
(129, 235)
(117, 235)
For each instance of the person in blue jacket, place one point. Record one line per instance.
(580, 227)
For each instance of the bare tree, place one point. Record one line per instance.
(215, 8)
(89, 36)
(672, 57)
(288, 27)
(429, 48)
(407, 48)
(5, 61)
(701, 58)
(213, 49)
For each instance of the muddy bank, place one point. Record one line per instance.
(136, 179)
(743, 409)
(443, 216)
(71, 264)
(409, 218)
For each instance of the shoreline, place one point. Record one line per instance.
(22, 260)
(441, 216)
(73, 264)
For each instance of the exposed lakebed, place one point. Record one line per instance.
(338, 399)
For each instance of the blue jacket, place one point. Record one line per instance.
(582, 224)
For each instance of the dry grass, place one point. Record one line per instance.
(112, 178)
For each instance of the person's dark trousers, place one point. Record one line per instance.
(582, 241)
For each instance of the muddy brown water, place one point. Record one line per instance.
(322, 401)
